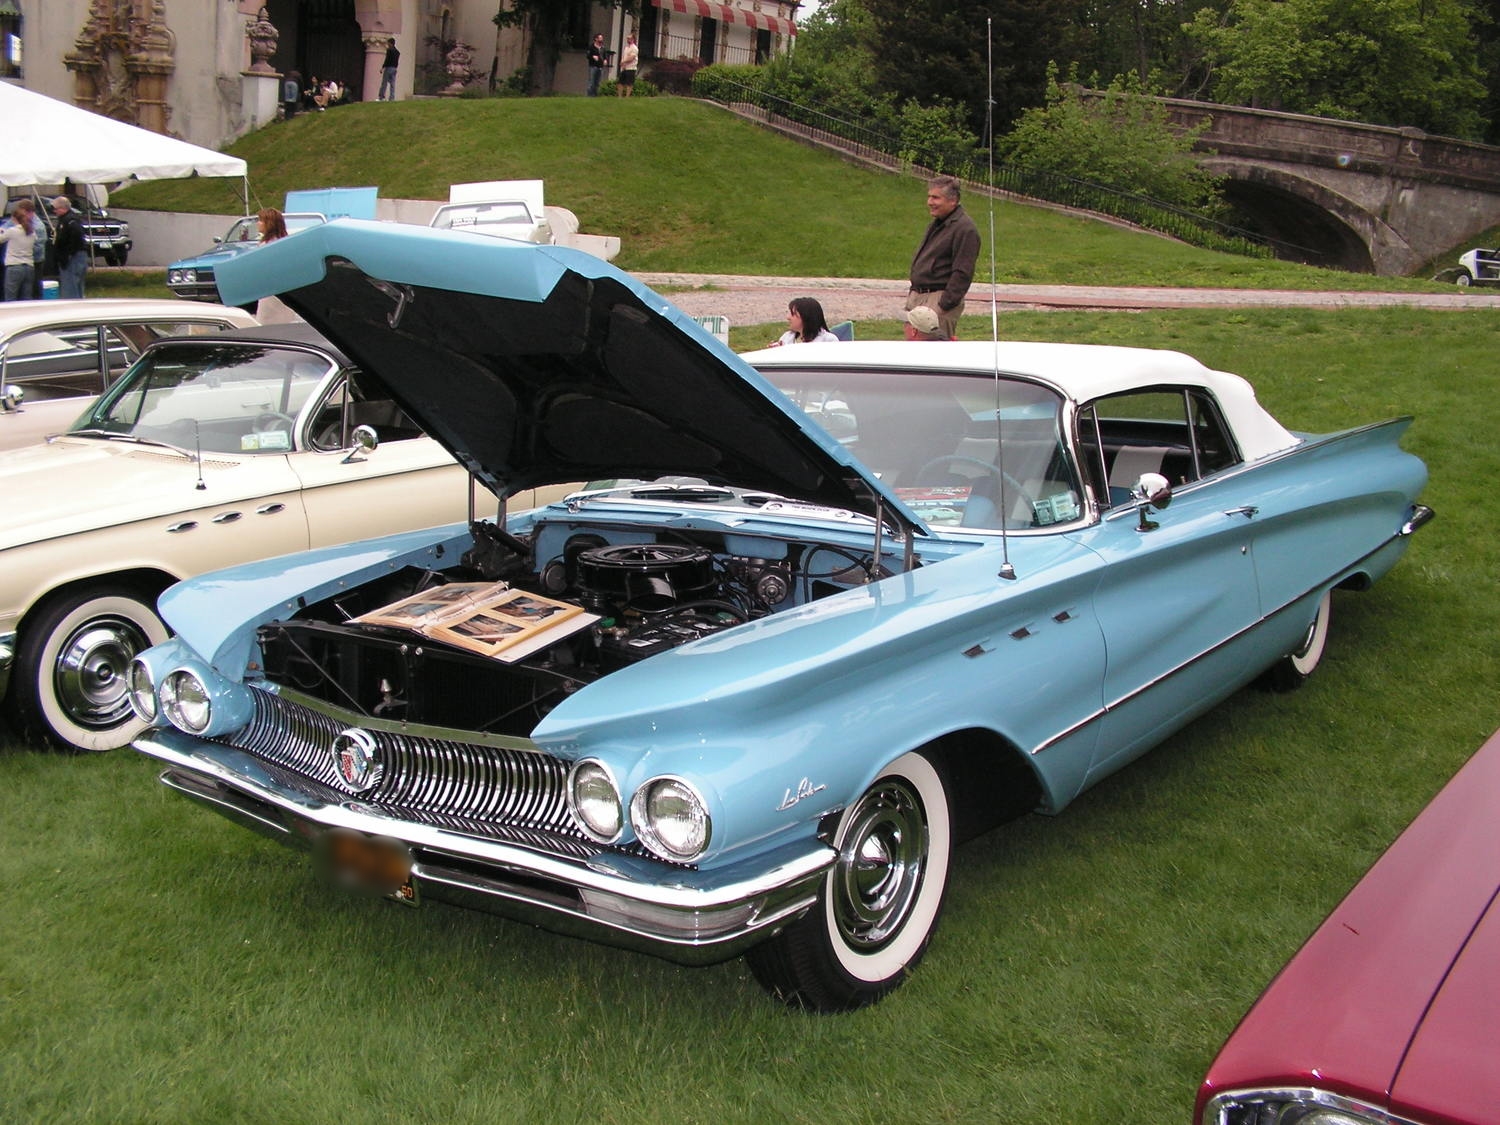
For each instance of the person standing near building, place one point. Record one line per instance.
(291, 94)
(943, 267)
(19, 237)
(630, 59)
(596, 64)
(388, 72)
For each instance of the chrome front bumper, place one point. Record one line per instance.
(684, 915)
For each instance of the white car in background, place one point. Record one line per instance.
(510, 209)
(209, 451)
(56, 356)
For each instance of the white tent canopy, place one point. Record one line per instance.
(47, 141)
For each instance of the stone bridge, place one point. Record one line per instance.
(1340, 194)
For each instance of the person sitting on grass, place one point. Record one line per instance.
(807, 324)
(331, 94)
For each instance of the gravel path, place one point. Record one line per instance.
(763, 300)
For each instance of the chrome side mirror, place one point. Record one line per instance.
(10, 397)
(1153, 492)
(363, 440)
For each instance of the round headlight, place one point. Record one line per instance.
(184, 700)
(595, 801)
(671, 819)
(142, 692)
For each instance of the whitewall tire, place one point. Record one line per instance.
(880, 902)
(69, 682)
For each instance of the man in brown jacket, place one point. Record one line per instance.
(943, 267)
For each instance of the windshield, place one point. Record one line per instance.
(961, 451)
(248, 228)
(219, 397)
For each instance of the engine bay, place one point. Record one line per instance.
(651, 589)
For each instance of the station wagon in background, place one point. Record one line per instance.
(55, 356)
(823, 620)
(1388, 1015)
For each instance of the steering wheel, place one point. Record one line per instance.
(269, 420)
(1009, 484)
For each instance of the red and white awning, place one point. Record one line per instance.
(725, 13)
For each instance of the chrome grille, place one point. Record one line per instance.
(440, 779)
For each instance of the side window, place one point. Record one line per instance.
(1175, 431)
(348, 405)
(61, 362)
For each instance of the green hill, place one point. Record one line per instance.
(690, 187)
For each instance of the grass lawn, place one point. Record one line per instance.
(690, 187)
(163, 965)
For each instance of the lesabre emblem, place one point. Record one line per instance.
(357, 759)
(805, 789)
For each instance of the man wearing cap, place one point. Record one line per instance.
(943, 267)
(922, 324)
(70, 249)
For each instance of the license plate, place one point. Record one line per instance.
(367, 864)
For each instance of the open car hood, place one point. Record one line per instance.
(542, 365)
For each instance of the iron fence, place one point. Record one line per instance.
(882, 147)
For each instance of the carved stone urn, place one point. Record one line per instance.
(460, 67)
(263, 35)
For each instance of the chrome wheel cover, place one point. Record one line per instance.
(89, 675)
(882, 861)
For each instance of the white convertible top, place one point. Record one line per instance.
(1082, 372)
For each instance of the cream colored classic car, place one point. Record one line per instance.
(207, 452)
(57, 355)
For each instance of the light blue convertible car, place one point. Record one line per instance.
(820, 614)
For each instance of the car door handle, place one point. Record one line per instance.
(227, 517)
(185, 525)
(1249, 511)
(270, 509)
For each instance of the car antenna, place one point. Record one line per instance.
(1007, 571)
(202, 485)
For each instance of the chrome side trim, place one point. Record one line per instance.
(1114, 705)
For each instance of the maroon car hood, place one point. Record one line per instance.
(1410, 958)
(1452, 1072)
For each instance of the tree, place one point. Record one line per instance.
(1386, 62)
(1145, 38)
(936, 51)
(547, 22)
(1117, 137)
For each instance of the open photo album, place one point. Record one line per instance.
(489, 618)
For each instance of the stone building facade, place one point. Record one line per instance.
(207, 70)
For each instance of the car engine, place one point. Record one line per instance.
(647, 593)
